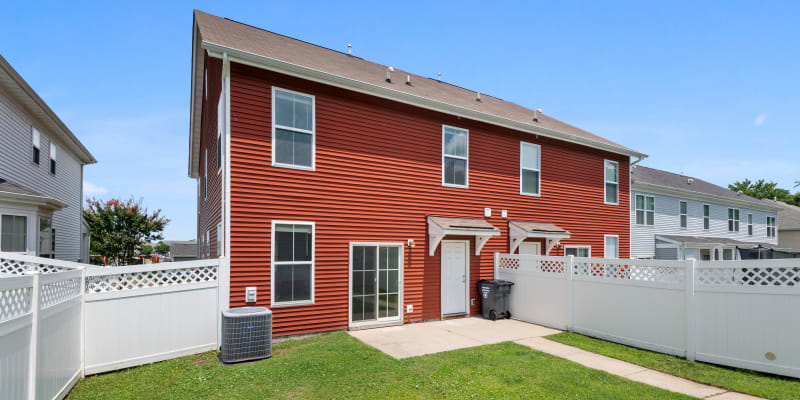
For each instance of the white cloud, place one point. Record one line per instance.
(91, 190)
(760, 118)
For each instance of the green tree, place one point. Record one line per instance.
(119, 228)
(162, 248)
(760, 189)
(146, 250)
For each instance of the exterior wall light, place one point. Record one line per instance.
(411, 244)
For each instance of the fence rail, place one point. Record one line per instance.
(60, 320)
(737, 313)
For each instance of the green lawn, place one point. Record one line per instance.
(338, 366)
(734, 379)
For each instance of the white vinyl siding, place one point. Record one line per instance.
(293, 129)
(530, 174)
(611, 188)
(455, 157)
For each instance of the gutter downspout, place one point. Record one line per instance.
(638, 160)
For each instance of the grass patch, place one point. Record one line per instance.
(338, 366)
(734, 379)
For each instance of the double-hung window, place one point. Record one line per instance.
(292, 129)
(578, 251)
(220, 127)
(611, 246)
(771, 225)
(706, 217)
(750, 224)
(36, 138)
(645, 210)
(733, 220)
(612, 182)
(292, 263)
(530, 168)
(684, 211)
(52, 158)
(455, 156)
(14, 233)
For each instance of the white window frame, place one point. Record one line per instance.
(606, 181)
(31, 238)
(682, 215)
(605, 246)
(219, 239)
(220, 128)
(466, 159)
(313, 131)
(772, 228)
(707, 217)
(36, 141)
(52, 166)
(523, 169)
(735, 218)
(205, 174)
(272, 264)
(750, 224)
(578, 247)
(645, 210)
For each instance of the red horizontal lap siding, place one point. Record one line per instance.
(378, 176)
(209, 207)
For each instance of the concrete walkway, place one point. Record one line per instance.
(413, 340)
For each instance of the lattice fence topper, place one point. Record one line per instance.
(147, 279)
(632, 271)
(757, 276)
(547, 265)
(60, 291)
(17, 267)
(15, 302)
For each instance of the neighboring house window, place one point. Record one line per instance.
(219, 239)
(645, 210)
(36, 139)
(771, 224)
(52, 158)
(749, 224)
(578, 251)
(530, 168)
(292, 129)
(455, 156)
(205, 175)
(611, 246)
(292, 263)
(706, 217)
(612, 182)
(14, 233)
(733, 220)
(220, 127)
(684, 209)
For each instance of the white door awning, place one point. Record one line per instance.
(439, 227)
(518, 231)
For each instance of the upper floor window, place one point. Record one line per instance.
(645, 210)
(733, 220)
(455, 156)
(14, 233)
(220, 127)
(292, 263)
(611, 246)
(706, 217)
(684, 210)
(36, 140)
(292, 129)
(530, 168)
(612, 182)
(52, 158)
(771, 225)
(749, 224)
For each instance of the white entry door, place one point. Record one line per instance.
(455, 275)
(534, 248)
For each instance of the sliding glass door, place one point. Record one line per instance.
(375, 283)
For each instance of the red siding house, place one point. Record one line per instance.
(348, 194)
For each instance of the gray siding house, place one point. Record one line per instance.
(679, 217)
(788, 226)
(41, 176)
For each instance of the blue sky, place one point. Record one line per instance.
(709, 90)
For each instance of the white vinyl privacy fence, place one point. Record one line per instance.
(61, 320)
(737, 313)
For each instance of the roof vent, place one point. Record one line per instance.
(349, 49)
(536, 114)
(408, 80)
(440, 76)
(479, 96)
(389, 71)
(690, 180)
(740, 192)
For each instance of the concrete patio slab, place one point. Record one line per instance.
(413, 340)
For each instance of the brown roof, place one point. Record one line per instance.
(464, 224)
(9, 188)
(228, 34)
(539, 227)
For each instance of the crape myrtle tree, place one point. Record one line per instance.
(120, 228)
